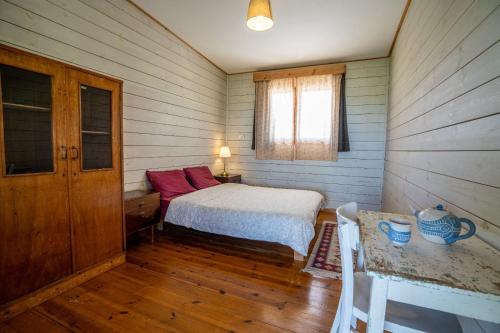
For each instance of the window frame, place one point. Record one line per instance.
(336, 70)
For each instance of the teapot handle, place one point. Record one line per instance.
(381, 226)
(472, 229)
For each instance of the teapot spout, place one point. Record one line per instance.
(414, 211)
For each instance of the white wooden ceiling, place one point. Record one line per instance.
(305, 32)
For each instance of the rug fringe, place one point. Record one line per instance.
(322, 273)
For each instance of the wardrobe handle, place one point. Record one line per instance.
(75, 151)
(64, 153)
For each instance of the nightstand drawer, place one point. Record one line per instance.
(146, 205)
(145, 212)
(142, 210)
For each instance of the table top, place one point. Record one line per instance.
(231, 175)
(130, 195)
(468, 265)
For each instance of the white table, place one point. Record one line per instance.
(462, 278)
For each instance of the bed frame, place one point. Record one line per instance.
(297, 256)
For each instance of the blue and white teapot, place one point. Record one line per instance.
(439, 226)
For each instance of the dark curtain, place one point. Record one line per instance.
(253, 130)
(343, 135)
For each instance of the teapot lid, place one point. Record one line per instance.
(431, 214)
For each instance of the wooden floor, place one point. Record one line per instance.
(189, 281)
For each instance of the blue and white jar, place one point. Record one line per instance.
(439, 226)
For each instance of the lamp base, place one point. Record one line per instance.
(224, 174)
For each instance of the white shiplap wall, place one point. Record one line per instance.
(174, 100)
(356, 176)
(443, 132)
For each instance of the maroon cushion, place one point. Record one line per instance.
(200, 177)
(169, 183)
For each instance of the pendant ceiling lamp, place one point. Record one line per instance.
(260, 17)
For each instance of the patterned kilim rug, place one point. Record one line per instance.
(324, 260)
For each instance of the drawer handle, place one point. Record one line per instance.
(141, 204)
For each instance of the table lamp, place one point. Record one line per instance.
(224, 153)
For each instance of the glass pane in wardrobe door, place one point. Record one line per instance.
(27, 121)
(96, 128)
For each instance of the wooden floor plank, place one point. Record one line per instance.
(185, 310)
(284, 315)
(189, 281)
(247, 287)
(24, 323)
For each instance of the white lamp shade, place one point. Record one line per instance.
(259, 23)
(259, 17)
(225, 152)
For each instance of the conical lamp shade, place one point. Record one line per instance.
(224, 152)
(259, 16)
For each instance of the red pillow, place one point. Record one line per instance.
(200, 177)
(169, 183)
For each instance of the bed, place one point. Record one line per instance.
(283, 216)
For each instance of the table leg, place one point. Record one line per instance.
(378, 301)
(159, 225)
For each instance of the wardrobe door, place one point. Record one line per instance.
(35, 243)
(96, 171)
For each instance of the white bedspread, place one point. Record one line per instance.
(270, 214)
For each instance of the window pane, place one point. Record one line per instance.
(281, 109)
(27, 121)
(314, 114)
(96, 128)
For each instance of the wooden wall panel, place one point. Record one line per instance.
(174, 100)
(443, 131)
(356, 176)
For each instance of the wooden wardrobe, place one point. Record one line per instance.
(61, 189)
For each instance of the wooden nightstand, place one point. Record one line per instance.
(229, 179)
(142, 210)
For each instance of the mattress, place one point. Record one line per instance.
(283, 216)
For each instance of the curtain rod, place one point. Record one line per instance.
(334, 69)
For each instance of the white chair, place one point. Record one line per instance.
(355, 297)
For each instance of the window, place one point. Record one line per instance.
(96, 109)
(314, 105)
(27, 121)
(297, 118)
(281, 94)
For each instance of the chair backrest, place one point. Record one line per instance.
(348, 232)
(348, 211)
(348, 214)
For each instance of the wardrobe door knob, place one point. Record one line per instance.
(75, 151)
